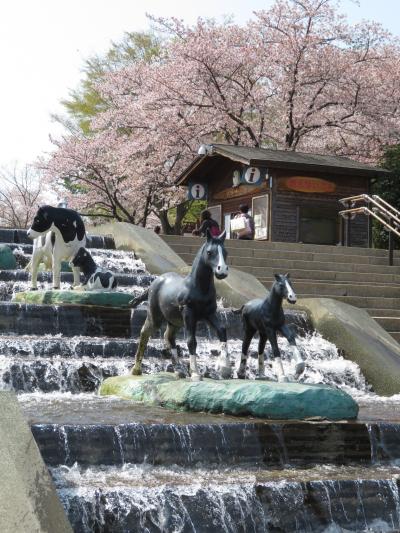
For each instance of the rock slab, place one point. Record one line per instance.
(262, 399)
(28, 499)
(74, 297)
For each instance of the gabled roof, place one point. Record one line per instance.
(284, 159)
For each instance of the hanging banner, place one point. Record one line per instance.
(197, 191)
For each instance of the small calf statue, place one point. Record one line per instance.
(95, 278)
(58, 233)
(267, 318)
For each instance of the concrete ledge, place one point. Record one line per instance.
(263, 399)
(55, 297)
(361, 338)
(28, 499)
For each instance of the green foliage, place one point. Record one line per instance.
(85, 102)
(387, 188)
(192, 215)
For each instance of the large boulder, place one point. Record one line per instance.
(7, 258)
(360, 338)
(76, 297)
(263, 399)
(28, 497)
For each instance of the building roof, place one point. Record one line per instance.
(284, 159)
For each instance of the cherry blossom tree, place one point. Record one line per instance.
(20, 195)
(297, 77)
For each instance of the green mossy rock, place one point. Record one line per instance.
(74, 297)
(7, 258)
(263, 399)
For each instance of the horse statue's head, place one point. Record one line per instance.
(214, 255)
(283, 287)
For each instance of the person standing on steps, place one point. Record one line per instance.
(246, 234)
(207, 223)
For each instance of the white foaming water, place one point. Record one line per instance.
(229, 499)
(118, 261)
(323, 364)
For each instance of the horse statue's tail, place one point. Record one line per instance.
(139, 299)
(237, 311)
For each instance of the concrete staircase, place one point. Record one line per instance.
(358, 276)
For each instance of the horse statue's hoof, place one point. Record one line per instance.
(225, 372)
(241, 372)
(136, 371)
(299, 369)
(179, 372)
(196, 377)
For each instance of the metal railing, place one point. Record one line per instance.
(375, 208)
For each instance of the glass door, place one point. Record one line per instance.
(215, 211)
(227, 224)
(260, 213)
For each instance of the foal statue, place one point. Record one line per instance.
(266, 317)
(184, 301)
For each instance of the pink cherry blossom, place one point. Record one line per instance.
(297, 77)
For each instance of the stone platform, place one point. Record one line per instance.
(74, 297)
(262, 399)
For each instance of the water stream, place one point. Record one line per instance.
(123, 468)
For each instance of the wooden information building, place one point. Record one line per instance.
(293, 196)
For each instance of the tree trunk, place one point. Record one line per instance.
(181, 211)
(166, 226)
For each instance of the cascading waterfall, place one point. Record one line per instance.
(139, 498)
(124, 468)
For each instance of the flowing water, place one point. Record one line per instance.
(120, 467)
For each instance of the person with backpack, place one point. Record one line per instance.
(207, 223)
(247, 233)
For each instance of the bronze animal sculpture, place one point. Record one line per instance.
(266, 317)
(182, 301)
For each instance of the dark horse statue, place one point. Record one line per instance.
(267, 318)
(182, 301)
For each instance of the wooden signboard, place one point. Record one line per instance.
(306, 185)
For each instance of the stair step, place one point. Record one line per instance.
(195, 242)
(237, 499)
(390, 323)
(244, 257)
(333, 290)
(383, 312)
(279, 264)
(184, 439)
(395, 335)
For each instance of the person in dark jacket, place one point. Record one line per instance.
(207, 223)
(246, 234)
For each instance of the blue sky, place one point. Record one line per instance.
(43, 44)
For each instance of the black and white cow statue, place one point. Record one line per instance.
(58, 234)
(95, 278)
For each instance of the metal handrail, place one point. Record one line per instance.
(375, 199)
(390, 220)
(366, 211)
(385, 203)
